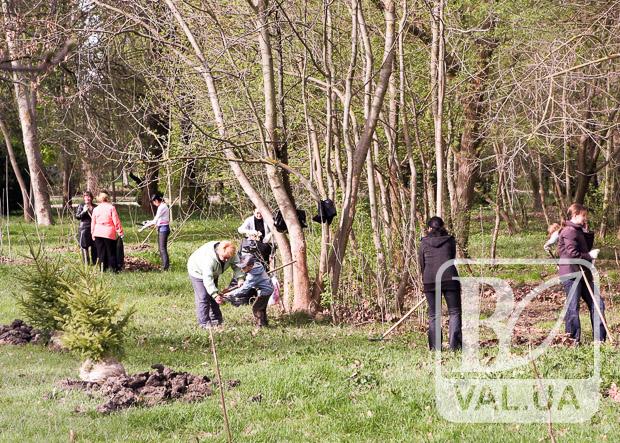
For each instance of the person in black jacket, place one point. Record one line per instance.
(435, 249)
(575, 242)
(83, 213)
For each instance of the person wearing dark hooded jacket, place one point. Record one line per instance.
(435, 249)
(83, 213)
(575, 242)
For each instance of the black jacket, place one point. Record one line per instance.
(434, 252)
(83, 216)
(574, 242)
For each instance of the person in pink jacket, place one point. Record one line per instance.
(105, 226)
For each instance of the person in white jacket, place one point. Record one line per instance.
(205, 266)
(162, 224)
(255, 226)
(258, 233)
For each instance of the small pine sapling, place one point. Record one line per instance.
(94, 326)
(41, 291)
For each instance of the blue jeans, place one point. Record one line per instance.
(207, 310)
(575, 292)
(163, 233)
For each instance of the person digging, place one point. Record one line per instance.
(255, 290)
(204, 267)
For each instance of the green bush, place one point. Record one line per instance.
(41, 289)
(94, 326)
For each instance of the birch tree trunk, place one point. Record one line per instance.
(302, 300)
(361, 150)
(28, 212)
(438, 83)
(254, 196)
(25, 94)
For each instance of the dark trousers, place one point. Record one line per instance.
(208, 312)
(163, 233)
(87, 246)
(106, 253)
(89, 255)
(259, 304)
(575, 292)
(453, 300)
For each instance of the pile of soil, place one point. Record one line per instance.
(135, 264)
(19, 333)
(14, 261)
(139, 247)
(147, 388)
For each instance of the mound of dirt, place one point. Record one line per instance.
(14, 261)
(19, 333)
(135, 248)
(135, 264)
(146, 388)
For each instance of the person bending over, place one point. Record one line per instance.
(205, 266)
(256, 289)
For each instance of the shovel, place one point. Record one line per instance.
(395, 325)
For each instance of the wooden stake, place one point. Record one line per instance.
(219, 381)
(596, 305)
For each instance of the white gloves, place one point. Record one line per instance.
(145, 225)
(594, 253)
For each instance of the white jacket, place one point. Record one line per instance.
(248, 228)
(204, 264)
(162, 216)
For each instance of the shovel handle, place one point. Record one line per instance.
(395, 325)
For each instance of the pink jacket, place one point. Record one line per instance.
(105, 222)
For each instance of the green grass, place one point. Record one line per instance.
(318, 382)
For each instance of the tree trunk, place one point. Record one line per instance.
(466, 157)
(438, 83)
(361, 150)
(283, 244)
(28, 212)
(25, 94)
(302, 300)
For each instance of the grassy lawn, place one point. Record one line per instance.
(317, 382)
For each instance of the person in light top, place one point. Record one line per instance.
(205, 266)
(258, 237)
(553, 232)
(162, 224)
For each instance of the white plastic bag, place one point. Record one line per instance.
(275, 296)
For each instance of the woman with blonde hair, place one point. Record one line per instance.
(105, 227)
(205, 266)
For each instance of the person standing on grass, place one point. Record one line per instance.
(258, 236)
(162, 224)
(84, 213)
(205, 266)
(106, 226)
(575, 242)
(435, 249)
(256, 289)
